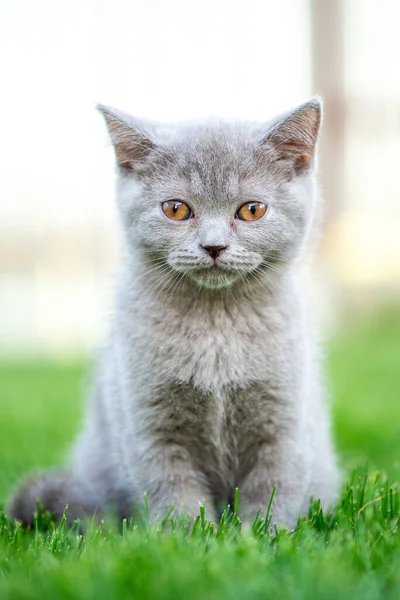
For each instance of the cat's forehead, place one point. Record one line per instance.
(213, 158)
(215, 141)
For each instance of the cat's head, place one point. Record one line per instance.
(216, 202)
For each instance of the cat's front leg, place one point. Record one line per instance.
(168, 477)
(286, 476)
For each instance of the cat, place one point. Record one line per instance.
(211, 378)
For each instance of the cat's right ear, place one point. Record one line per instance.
(132, 145)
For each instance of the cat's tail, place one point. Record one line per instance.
(54, 491)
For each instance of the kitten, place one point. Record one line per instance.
(210, 380)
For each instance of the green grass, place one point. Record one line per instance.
(364, 367)
(354, 552)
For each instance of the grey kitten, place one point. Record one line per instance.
(210, 380)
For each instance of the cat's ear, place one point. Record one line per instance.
(132, 145)
(293, 137)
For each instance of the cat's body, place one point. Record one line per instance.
(210, 380)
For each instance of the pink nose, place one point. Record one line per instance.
(214, 251)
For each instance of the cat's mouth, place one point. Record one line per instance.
(214, 277)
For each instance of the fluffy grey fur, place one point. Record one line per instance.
(210, 380)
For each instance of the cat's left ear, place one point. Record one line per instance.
(132, 144)
(293, 138)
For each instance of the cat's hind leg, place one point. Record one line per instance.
(54, 491)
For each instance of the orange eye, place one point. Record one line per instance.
(176, 210)
(252, 211)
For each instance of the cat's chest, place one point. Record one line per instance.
(212, 353)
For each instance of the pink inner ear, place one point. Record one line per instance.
(303, 161)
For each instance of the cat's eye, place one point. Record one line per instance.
(252, 211)
(176, 210)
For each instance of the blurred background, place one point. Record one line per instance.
(175, 60)
(170, 61)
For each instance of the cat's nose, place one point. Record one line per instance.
(214, 251)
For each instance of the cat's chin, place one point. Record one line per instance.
(214, 278)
